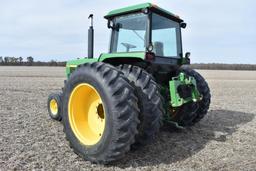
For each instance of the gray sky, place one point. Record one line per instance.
(218, 31)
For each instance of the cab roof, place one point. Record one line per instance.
(139, 7)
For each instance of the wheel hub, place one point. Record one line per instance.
(54, 107)
(86, 114)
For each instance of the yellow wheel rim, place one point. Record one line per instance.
(86, 114)
(54, 107)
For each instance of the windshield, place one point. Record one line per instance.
(166, 37)
(130, 34)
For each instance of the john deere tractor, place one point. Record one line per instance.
(120, 100)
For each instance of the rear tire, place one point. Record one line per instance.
(120, 112)
(150, 102)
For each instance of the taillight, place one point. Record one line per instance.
(150, 56)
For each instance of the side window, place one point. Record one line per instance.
(165, 42)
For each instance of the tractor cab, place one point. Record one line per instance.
(147, 31)
(141, 35)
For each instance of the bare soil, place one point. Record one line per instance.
(224, 140)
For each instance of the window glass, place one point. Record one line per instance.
(131, 34)
(165, 34)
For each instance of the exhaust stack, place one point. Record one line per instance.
(90, 37)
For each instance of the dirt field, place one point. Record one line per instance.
(224, 140)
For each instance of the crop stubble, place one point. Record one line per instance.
(224, 140)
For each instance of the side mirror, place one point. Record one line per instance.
(114, 26)
(186, 59)
(187, 55)
(183, 25)
(110, 24)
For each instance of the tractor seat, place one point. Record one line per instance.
(159, 48)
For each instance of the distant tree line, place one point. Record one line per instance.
(216, 66)
(19, 61)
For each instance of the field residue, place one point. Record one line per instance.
(224, 140)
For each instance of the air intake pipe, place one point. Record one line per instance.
(90, 37)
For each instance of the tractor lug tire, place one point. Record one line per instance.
(150, 102)
(57, 114)
(121, 112)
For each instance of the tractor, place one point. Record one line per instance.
(119, 101)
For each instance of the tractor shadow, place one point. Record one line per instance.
(176, 145)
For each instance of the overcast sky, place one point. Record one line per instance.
(220, 31)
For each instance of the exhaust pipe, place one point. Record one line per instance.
(90, 37)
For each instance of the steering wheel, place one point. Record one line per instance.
(128, 46)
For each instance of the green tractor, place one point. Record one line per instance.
(120, 100)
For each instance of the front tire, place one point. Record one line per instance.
(100, 113)
(54, 106)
